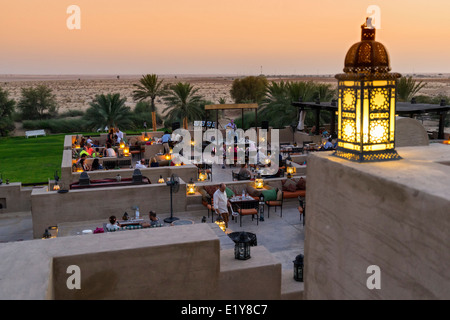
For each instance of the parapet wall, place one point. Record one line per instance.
(49, 208)
(394, 215)
(182, 262)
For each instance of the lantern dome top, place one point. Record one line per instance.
(367, 56)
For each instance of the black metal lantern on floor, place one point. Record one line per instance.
(261, 208)
(242, 247)
(298, 268)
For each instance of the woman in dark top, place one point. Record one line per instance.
(154, 163)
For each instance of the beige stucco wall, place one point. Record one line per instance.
(182, 262)
(14, 198)
(391, 214)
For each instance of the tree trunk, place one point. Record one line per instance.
(154, 120)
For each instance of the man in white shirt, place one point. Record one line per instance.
(139, 165)
(119, 135)
(221, 203)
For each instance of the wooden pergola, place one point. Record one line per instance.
(241, 106)
(401, 108)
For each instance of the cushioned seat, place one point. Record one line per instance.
(247, 212)
(278, 202)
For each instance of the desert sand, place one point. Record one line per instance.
(75, 92)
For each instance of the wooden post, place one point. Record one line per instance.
(442, 116)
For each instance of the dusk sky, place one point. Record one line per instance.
(235, 37)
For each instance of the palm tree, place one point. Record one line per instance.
(108, 110)
(277, 106)
(184, 103)
(149, 87)
(407, 87)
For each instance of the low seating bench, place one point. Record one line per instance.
(34, 133)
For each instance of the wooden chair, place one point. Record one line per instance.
(275, 203)
(247, 209)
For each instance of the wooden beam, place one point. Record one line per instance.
(231, 106)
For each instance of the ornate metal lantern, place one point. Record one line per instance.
(298, 268)
(367, 95)
(242, 247)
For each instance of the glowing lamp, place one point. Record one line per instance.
(191, 187)
(122, 145)
(126, 150)
(290, 169)
(221, 224)
(161, 179)
(168, 156)
(146, 137)
(202, 176)
(56, 187)
(259, 182)
(366, 102)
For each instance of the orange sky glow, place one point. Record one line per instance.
(216, 37)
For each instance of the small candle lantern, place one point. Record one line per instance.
(122, 145)
(290, 169)
(191, 187)
(259, 182)
(298, 268)
(161, 179)
(242, 247)
(221, 224)
(202, 176)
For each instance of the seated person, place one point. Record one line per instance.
(96, 153)
(109, 151)
(328, 145)
(154, 163)
(244, 173)
(113, 224)
(84, 165)
(84, 152)
(154, 220)
(89, 140)
(96, 165)
(89, 149)
(139, 165)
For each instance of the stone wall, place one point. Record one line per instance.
(14, 198)
(49, 208)
(394, 215)
(182, 262)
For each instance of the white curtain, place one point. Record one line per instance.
(301, 120)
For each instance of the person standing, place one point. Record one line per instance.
(221, 203)
(165, 141)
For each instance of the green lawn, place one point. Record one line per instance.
(31, 160)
